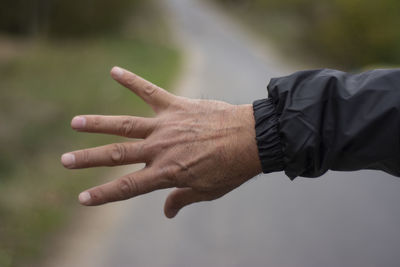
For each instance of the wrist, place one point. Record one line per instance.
(248, 137)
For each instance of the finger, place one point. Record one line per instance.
(131, 185)
(108, 155)
(155, 96)
(128, 126)
(182, 197)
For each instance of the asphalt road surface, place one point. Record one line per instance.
(341, 219)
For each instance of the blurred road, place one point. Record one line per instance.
(340, 219)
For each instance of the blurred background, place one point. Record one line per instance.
(55, 58)
(346, 34)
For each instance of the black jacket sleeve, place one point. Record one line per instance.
(317, 120)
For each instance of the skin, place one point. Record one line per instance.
(203, 148)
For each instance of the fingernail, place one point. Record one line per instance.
(117, 72)
(84, 197)
(68, 159)
(78, 122)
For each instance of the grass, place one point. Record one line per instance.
(43, 84)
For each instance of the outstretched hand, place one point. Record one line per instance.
(203, 148)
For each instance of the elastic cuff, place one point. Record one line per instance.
(267, 136)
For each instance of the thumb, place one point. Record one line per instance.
(180, 198)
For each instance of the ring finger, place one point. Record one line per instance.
(108, 155)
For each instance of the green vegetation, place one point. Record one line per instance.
(348, 33)
(65, 17)
(44, 83)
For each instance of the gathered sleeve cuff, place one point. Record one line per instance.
(267, 136)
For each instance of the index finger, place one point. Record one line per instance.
(153, 95)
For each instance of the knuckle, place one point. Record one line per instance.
(150, 89)
(141, 149)
(85, 157)
(131, 81)
(169, 175)
(96, 122)
(127, 127)
(118, 153)
(128, 186)
(176, 103)
(151, 147)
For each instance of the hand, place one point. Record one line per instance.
(204, 148)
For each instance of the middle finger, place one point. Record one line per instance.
(128, 126)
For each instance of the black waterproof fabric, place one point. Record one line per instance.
(317, 120)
